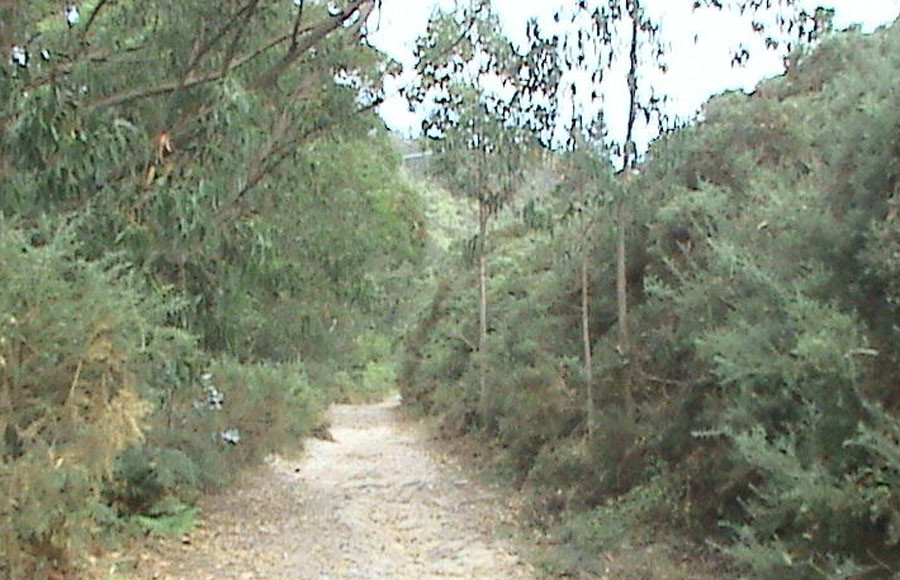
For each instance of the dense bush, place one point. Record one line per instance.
(757, 407)
(231, 415)
(107, 413)
(79, 344)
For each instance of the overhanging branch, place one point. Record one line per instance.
(309, 38)
(304, 44)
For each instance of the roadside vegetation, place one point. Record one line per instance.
(755, 410)
(202, 230)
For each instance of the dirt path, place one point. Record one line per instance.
(375, 504)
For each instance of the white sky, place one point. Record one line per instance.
(696, 70)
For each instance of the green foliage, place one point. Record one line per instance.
(77, 341)
(370, 374)
(623, 518)
(236, 217)
(763, 270)
(151, 477)
(377, 380)
(211, 166)
(176, 524)
(271, 404)
(84, 353)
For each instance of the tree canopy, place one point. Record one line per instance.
(213, 215)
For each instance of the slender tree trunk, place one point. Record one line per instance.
(621, 279)
(586, 336)
(634, 10)
(622, 300)
(482, 311)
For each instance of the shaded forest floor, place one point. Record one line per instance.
(378, 502)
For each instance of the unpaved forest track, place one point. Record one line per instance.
(375, 504)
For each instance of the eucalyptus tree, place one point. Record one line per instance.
(603, 47)
(582, 191)
(228, 155)
(482, 122)
(201, 138)
(580, 53)
(558, 84)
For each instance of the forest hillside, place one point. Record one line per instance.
(756, 405)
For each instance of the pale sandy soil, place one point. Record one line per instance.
(376, 504)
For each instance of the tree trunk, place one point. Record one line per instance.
(621, 280)
(634, 11)
(586, 336)
(622, 300)
(482, 311)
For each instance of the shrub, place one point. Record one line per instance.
(149, 478)
(106, 412)
(73, 339)
(232, 415)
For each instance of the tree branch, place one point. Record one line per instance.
(329, 25)
(630, 147)
(92, 18)
(313, 36)
(357, 29)
(278, 152)
(297, 21)
(232, 46)
(249, 8)
(170, 87)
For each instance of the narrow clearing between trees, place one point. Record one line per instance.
(374, 504)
